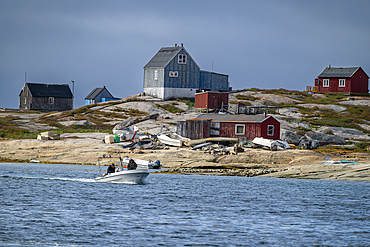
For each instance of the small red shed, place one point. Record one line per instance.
(343, 80)
(244, 127)
(211, 100)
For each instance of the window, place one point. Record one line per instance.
(174, 74)
(325, 83)
(156, 75)
(239, 129)
(215, 128)
(182, 59)
(270, 130)
(25, 101)
(51, 100)
(342, 82)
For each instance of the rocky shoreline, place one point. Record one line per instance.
(84, 149)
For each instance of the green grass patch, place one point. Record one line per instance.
(245, 97)
(9, 129)
(187, 101)
(362, 145)
(170, 108)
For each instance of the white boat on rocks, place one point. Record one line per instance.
(271, 144)
(172, 139)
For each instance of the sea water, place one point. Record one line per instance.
(62, 205)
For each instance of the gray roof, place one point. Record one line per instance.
(338, 72)
(163, 57)
(233, 118)
(95, 92)
(49, 90)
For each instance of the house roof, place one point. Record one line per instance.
(163, 57)
(234, 118)
(96, 91)
(50, 90)
(338, 72)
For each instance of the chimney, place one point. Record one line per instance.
(182, 45)
(175, 45)
(329, 66)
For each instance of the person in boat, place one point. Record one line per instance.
(111, 168)
(131, 165)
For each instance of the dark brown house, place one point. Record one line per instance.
(45, 97)
(243, 127)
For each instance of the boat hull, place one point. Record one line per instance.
(127, 176)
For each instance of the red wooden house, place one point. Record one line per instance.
(342, 80)
(244, 127)
(211, 100)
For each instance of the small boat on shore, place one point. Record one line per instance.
(172, 139)
(270, 144)
(122, 174)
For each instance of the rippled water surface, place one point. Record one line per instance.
(62, 205)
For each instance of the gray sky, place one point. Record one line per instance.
(263, 44)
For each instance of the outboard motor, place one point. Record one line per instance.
(157, 164)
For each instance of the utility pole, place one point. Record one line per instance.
(73, 94)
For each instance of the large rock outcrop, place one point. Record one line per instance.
(324, 139)
(131, 121)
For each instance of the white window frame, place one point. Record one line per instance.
(156, 75)
(182, 58)
(25, 100)
(236, 129)
(342, 82)
(270, 128)
(174, 74)
(325, 83)
(51, 100)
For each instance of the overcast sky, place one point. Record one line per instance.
(263, 44)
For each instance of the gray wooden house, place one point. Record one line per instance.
(99, 94)
(46, 97)
(172, 73)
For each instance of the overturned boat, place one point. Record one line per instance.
(172, 139)
(271, 144)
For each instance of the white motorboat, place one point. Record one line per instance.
(125, 176)
(122, 174)
(144, 164)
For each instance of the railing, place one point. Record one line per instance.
(311, 89)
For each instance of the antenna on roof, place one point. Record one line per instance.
(25, 77)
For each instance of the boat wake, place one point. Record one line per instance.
(85, 180)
